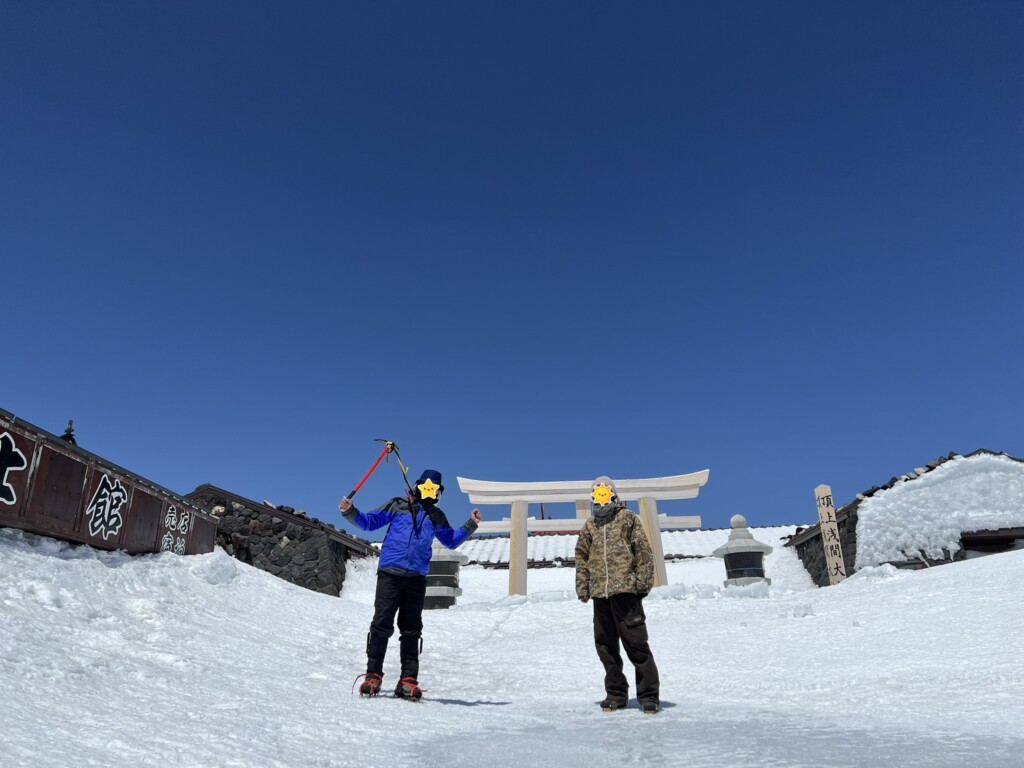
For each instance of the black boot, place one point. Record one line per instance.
(409, 648)
(376, 649)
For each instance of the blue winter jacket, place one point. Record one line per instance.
(411, 533)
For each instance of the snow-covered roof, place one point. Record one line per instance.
(926, 514)
(551, 548)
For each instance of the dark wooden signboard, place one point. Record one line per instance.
(52, 487)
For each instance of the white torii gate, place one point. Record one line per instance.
(519, 495)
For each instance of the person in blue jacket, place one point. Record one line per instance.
(413, 524)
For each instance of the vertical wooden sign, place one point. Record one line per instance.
(830, 535)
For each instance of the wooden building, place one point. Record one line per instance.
(50, 486)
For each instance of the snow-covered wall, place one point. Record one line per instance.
(927, 514)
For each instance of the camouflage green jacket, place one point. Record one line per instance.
(613, 556)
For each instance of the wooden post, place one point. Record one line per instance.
(649, 519)
(834, 562)
(517, 550)
(582, 509)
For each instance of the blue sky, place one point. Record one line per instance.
(525, 241)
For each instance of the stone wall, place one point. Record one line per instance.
(301, 554)
(812, 553)
(281, 540)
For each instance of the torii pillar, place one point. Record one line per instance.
(647, 491)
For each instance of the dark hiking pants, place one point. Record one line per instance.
(621, 618)
(402, 595)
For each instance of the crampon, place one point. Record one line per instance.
(370, 685)
(409, 689)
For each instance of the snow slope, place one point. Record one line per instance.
(107, 660)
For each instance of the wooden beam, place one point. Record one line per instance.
(662, 488)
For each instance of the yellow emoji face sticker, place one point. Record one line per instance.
(428, 489)
(602, 494)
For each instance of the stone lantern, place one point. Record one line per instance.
(443, 577)
(744, 556)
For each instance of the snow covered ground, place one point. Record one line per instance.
(108, 660)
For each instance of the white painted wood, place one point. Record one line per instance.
(649, 520)
(517, 550)
(661, 488)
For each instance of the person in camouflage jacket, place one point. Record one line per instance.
(615, 569)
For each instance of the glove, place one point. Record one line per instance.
(642, 595)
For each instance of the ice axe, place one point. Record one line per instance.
(388, 448)
(405, 473)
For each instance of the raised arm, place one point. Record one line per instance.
(452, 537)
(368, 521)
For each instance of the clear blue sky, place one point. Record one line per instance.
(526, 241)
